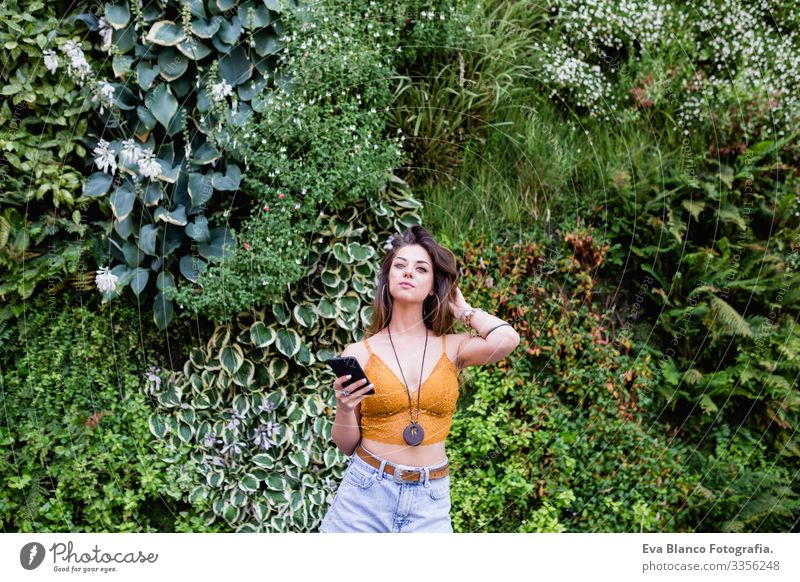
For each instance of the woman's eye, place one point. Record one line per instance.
(418, 268)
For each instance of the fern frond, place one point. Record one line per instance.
(5, 231)
(729, 317)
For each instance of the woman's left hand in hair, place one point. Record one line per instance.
(458, 305)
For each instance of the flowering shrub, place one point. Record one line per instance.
(558, 437)
(175, 71)
(589, 41)
(743, 55)
(562, 68)
(727, 50)
(320, 146)
(43, 229)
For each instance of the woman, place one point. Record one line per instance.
(397, 478)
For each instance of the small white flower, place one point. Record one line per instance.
(106, 280)
(104, 159)
(106, 89)
(50, 60)
(77, 67)
(105, 32)
(130, 153)
(210, 441)
(148, 165)
(221, 90)
(105, 95)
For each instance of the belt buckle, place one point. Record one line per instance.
(398, 473)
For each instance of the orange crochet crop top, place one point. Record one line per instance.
(385, 415)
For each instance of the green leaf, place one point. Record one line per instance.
(191, 267)
(288, 342)
(146, 118)
(230, 181)
(133, 255)
(235, 67)
(359, 252)
(165, 33)
(260, 18)
(204, 28)
(219, 246)
(117, 15)
(276, 482)
(241, 403)
(244, 375)
(248, 483)
(670, 372)
(162, 310)
(169, 173)
(200, 189)
(157, 425)
(177, 216)
(139, 280)
(708, 405)
(162, 104)
(153, 194)
(299, 458)
(231, 513)
(730, 317)
(122, 200)
(147, 239)
(304, 315)
(193, 49)
(215, 478)
(231, 358)
(185, 431)
(124, 98)
(97, 184)
(267, 42)
(205, 154)
(165, 280)
(124, 40)
(198, 230)
(263, 460)
(261, 335)
(229, 31)
(121, 65)
(146, 73)
(172, 64)
(198, 495)
(225, 5)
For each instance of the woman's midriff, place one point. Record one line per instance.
(419, 456)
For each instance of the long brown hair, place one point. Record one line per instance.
(436, 313)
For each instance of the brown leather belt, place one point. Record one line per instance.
(402, 473)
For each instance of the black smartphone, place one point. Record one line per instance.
(348, 365)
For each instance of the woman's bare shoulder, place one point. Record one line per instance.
(359, 351)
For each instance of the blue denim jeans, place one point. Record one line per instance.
(369, 500)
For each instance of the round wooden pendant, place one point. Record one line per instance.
(413, 434)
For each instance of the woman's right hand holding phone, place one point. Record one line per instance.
(356, 392)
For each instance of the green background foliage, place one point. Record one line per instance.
(629, 208)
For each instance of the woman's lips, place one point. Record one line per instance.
(406, 285)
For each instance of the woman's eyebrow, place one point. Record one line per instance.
(403, 259)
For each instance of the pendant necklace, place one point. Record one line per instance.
(413, 434)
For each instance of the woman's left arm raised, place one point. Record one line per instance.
(496, 338)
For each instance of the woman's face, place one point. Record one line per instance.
(412, 265)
